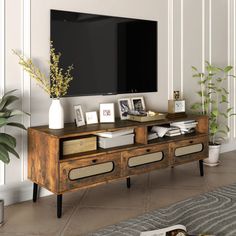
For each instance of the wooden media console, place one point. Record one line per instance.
(51, 168)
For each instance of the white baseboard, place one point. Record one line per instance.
(19, 192)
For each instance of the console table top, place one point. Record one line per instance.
(70, 129)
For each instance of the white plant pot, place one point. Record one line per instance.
(214, 154)
(56, 115)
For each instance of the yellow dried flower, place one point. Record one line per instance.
(57, 84)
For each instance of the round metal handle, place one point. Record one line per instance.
(148, 150)
(191, 141)
(94, 160)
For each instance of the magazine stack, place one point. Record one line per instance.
(185, 127)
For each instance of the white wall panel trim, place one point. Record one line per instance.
(2, 70)
(210, 31)
(234, 65)
(170, 48)
(181, 47)
(25, 79)
(203, 35)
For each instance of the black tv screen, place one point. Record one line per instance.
(110, 55)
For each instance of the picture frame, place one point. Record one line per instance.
(107, 112)
(124, 105)
(138, 104)
(79, 116)
(91, 117)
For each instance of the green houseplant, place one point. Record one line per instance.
(7, 141)
(214, 103)
(56, 84)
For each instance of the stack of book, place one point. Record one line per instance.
(173, 131)
(166, 130)
(185, 127)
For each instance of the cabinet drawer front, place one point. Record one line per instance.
(145, 159)
(190, 150)
(90, 171)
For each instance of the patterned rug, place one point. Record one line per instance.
(213, 213)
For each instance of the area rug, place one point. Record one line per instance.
(213, 213)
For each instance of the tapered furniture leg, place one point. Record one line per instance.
(201, 167)
(35, 192)
(59, 205)
(128, 182)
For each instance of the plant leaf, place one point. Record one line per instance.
(196, 106)
(11, 150)
(18, 125)
(7, 140)
(3, 121)
(9, 92)
(4, 156)
(194, 68)
(6, 101)
(16, 112)
(227, 69)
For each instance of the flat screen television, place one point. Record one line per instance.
(110, 55)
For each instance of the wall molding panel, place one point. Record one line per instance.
(170, 48)
(2, 70)
(25, 79)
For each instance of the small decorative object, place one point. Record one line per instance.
(176, 95)
(107, 113)
(177, 105)
(56, 85)
(79, 117)
(91, 117)
(138, 104)
(124, 105)
(214, 103)
(147, 116)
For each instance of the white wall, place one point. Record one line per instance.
(189, 32)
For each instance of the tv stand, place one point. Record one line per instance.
(58, 173)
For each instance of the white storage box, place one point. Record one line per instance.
(116, 141)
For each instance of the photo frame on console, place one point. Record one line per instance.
(107, 112)
(91, 117)
(124, 105)
(79, 116)
(138, 104)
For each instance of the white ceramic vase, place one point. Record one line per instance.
(56, 115)
(214, 154)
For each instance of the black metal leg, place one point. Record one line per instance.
(128, 182)
(59, 205)
(201, 167)
(35, 192)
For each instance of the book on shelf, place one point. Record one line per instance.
(152, 135)
(188, 124)
(176, 230)
(173, 132)
(114, 134)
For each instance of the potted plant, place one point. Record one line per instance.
(214, 103)
(7, 141)
(56, 84)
